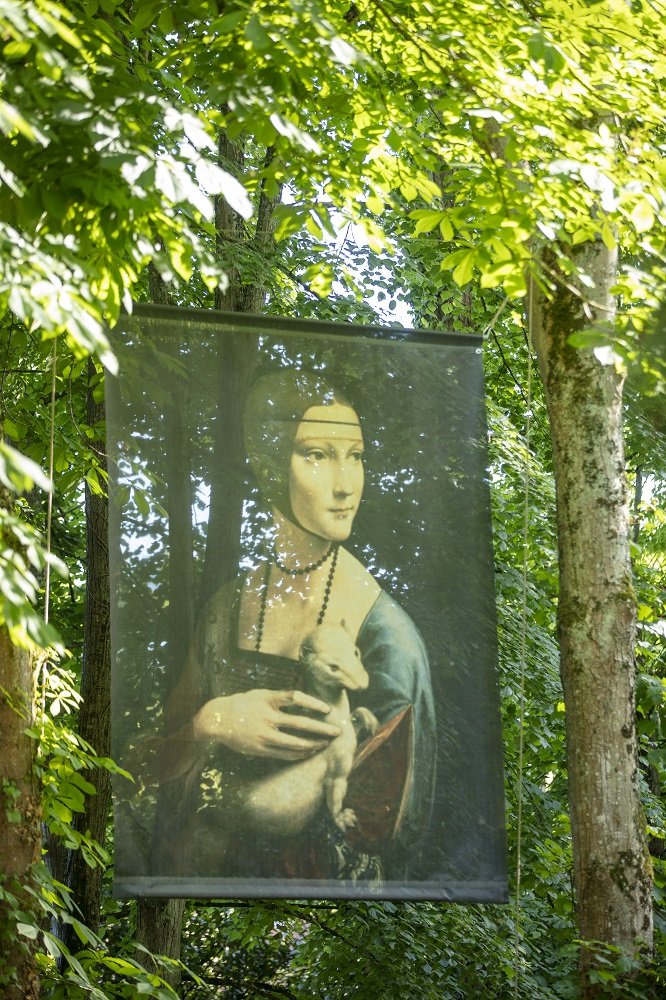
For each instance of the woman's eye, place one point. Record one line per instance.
(315, 455)
(357, 456)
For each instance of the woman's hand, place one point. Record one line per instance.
(253, 723)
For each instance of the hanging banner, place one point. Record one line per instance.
(303, 626)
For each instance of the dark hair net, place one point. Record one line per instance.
(275, 404)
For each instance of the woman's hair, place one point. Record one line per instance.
(275, 405)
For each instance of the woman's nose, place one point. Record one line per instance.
(343, 484)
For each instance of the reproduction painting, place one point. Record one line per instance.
(305, 698)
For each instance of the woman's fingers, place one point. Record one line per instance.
(305, 724)
(289, 756)
(298, 699)
(296, 744)
(254, 723)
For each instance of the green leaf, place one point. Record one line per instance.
(408, 191)
(165, 20)
(428, 221)
(289, 221)
(461, 262)
(514, 284)
(229, 21)
(121, 966)
(589, 338)
(446, 229)
(463, 273)
(642, 216)
(608, 237)
(13, 429)
(60, 811)
(19, 473)
(257, 35)
(12, 120)
(16, 49)
(27, 930)
(147, 11)
(542, 50)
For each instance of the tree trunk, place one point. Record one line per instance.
(159, 924)
(596, 617)
(223, 546)
(237, 355)
(95, 712)
(179, 508)
(20, 813)
(159, 921)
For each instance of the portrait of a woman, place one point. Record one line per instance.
(249, 731)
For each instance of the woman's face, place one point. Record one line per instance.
(326, 471)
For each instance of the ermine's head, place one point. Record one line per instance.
(331, 657)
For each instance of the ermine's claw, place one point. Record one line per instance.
(346, 819)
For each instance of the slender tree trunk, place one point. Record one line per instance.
(95, 712)
(223, 545)
(179, 507)
(596, 617)
(159, 922)
(159, 925)
(20, 813)
(237, 355)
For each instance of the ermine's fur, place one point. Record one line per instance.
(286, 800)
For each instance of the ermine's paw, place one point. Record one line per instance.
(365, 723)
(345, 820)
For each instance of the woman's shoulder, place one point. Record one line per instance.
(387, 621)
(395, 654)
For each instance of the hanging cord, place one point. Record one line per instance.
(44, 659)
(49, 499)
(523, 643)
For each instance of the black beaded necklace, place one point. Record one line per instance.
(263, 601)
(301, 571)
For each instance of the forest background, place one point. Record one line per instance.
(478, 166)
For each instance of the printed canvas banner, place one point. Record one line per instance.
(303, 627)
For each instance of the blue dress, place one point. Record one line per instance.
(396, 660)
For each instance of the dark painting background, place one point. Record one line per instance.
(185, 515)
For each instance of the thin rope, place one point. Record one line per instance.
(43, 661)
(49, 499)
(523, 644)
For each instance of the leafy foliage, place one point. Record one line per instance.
(458, 137)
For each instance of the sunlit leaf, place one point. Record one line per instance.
(19, 473)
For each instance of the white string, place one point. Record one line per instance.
(49, 500)
(523, 645)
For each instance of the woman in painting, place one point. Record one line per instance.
(240, 711)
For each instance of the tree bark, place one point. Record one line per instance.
(95, 712)
(20, 814)
(159, 922)
(237, 356)
(596, 616)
